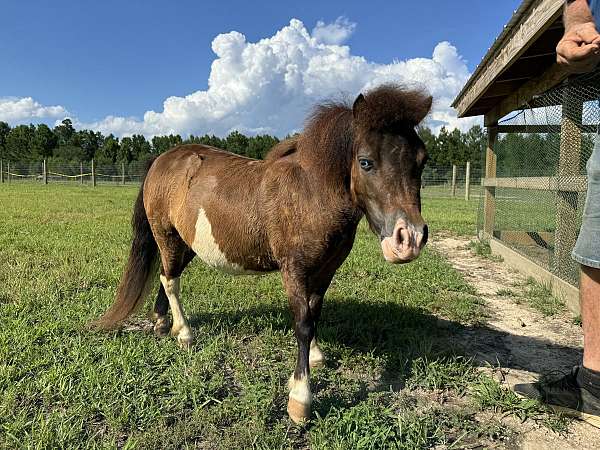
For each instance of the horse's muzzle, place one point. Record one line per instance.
(405, 243)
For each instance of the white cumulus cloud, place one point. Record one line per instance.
(334, 33)
(269, 86)
(20, 110)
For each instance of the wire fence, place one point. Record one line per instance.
(534, 203)
(438, 180)
(448, 181)
(60, 172)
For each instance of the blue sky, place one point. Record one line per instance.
(123, 58)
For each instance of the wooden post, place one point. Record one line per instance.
(468, 181)
(568, 166)
(44, 172)
(93, 174)
(81, 172)
(453, 180)
(489, 200)
(123, 173)
(1, 172)
(8, 171)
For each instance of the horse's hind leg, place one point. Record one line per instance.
(161, 308)
(175, 256)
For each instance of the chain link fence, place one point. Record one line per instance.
(534, 204)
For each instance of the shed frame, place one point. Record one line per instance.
(519, 66)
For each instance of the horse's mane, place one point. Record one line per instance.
(329, 130)
(283, 148)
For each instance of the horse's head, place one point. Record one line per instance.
(388, 159)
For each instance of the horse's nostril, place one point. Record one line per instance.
(399, 237)
(425, 235)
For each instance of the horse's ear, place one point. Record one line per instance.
(359, 104)
(424, 110)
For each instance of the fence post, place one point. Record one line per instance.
(81, 172)
(123, 173)
(489, 201)
(1, 172)
(468, 181)
(453, 180)
(93, 174)
(8, 171)
(44, 172)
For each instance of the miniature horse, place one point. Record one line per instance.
(297, 212)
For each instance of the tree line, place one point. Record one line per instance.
(65, 144)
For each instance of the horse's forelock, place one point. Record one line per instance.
(389, 105)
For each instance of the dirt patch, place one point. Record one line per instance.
(518, 344)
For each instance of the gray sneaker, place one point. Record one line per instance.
(565, 395)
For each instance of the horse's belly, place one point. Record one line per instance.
(208, 250)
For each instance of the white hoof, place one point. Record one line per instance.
(185, 339)
(299, 399)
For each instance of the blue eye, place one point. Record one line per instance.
(365, 164)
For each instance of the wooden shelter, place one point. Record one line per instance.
(519, 66)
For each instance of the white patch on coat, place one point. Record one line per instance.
(300, 390)
(208, 250)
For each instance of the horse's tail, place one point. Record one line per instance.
(136, 280)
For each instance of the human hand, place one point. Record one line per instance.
(579, 49)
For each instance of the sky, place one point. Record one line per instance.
(159, 67)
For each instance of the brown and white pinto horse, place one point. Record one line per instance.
(297, 212)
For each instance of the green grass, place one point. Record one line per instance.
(536, 295)
(62, 249)
(484, 250)
(451, 215)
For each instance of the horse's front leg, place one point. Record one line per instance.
(304, 326)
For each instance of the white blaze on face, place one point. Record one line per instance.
(208, 250)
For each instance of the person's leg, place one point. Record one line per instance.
(589, 293)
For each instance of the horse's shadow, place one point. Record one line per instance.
(398, 335)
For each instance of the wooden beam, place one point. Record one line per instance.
(539, 18)
(552, 77)
(541, 239)
(572, 183)
(568, 293)
(527, 68)
(591, 129)
(489, 200)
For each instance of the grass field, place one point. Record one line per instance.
(62, 249)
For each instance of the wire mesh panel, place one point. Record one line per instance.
(540, 184)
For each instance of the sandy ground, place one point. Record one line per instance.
(518, 344)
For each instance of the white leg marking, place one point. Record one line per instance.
(180, 327)
(316, 357)
(299, 399)
(300, 390)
